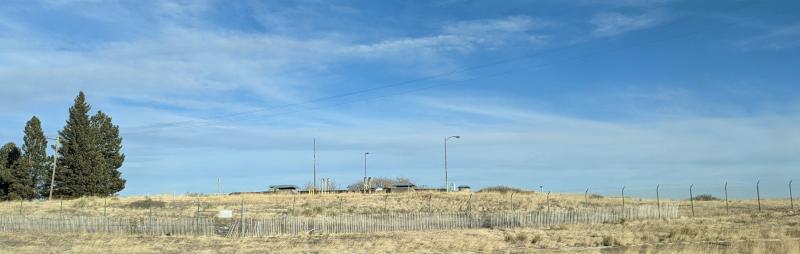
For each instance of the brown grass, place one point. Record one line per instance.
(257, 205)
(744, 230)
(766, 233)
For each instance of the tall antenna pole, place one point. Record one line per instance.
(314, 189)
(55, 162)
(219, 190)
(445, 165)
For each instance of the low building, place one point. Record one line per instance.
(399, 188)
(283, 188)
(463, 188)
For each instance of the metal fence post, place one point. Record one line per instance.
(691, 198)
(758, 195)
(727, 209)
(20, 206)
(586, 197)
(469, 203)
(791, 199)
(658, 201)
(105, 204)
(623, 201)
(241, 220)
(511, 201)
(548, 202)
(198, 208)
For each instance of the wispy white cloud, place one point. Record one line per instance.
(511, 24)
(176, 59)
(525, 144)
(779, 38)
(609, 24)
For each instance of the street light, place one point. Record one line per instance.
(446, 187)
(365, 171)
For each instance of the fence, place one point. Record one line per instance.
(365, 223)
(293, 225)
(81, 224)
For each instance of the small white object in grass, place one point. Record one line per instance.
(225, 214)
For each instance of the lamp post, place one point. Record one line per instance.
(446, 187)
(365, 172)
(314, 162)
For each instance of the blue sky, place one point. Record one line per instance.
(565, 94)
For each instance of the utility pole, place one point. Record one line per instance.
(446, 186)
(314, 188)
(219, 189)
(55, 162)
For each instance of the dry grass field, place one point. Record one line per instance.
(262, 205)
(774, 230)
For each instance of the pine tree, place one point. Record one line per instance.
(80, 168)
(110, 145)
(9, 163)
(34, 152)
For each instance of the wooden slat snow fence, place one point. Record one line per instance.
(357, 223)
(366, 223)
(81, 224)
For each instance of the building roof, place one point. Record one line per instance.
(403, 185)
(283, 186)
(463, 186)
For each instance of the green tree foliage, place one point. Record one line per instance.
(34, 155)
(9, 164)
(110, 145)
(80, 167)
(90, 155)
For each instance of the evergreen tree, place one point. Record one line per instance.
(110, 145)
(80, 167)
(34, 152)
(9, 163)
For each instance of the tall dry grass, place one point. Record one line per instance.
(355, 203)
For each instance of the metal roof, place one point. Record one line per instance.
(283, 186)
(403, 185)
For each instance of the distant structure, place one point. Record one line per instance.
(463, 188)
(399, 188)
(283, 188)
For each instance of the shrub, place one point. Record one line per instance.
(705, 197)
(147, 203)
(501, 189)
(536, 239)
(518, 238)
(596, 196)
(609, 241)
